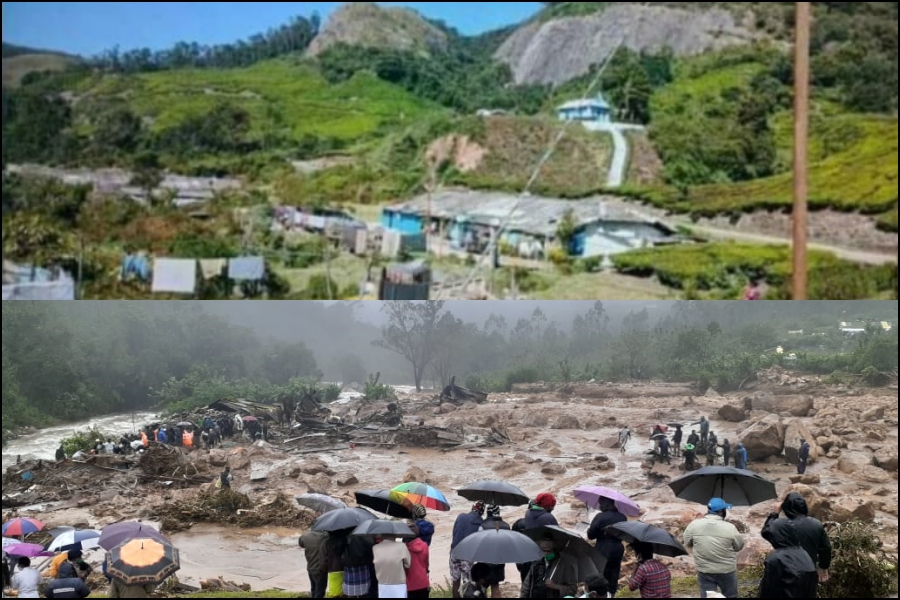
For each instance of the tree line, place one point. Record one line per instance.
(714, 344)
(80, 360)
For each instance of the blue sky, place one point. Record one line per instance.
(88, 28)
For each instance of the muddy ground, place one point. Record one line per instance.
(560, 438)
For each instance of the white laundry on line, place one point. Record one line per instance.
(174, 275)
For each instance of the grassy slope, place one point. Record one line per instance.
(853, 158)
(17, 67)
(281, 95)
(725, 266)
(515, 147)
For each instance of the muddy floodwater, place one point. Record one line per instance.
(559, 440)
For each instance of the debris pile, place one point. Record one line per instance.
(459, 395)
(160, 460)
(232, 508)
(33, 482)
(220, 585)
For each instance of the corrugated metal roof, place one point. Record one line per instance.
(533, 215)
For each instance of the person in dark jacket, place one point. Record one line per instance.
(803, 457)
(426, 528)
(810, 532)
(60, 454)
(465, 525)
(359, 567)
(314, 548)
(789, 571)
(726, 452)
(740, 456)
(555, 576)
(497, 573)
(676, 440)
(537, 515)
(611, 548)
(68, 584)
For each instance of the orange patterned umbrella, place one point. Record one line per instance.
(143, 561)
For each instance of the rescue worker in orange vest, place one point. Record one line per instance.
(144, 440)
(187, 439)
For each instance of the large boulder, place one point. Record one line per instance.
(566, 422)
(872, 474)
(735, 412)
(609, 441)
(795, 406)
(886, 458)
(535, 419)
(794, 432)
(764, 439)
(316, 466)
(873, 414)
(851, 462)
(415, 474)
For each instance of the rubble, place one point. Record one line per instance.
(231, 508)
(459, 395)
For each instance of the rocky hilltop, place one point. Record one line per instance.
(553, 52)
(371, 26)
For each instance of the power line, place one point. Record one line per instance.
(489, 250)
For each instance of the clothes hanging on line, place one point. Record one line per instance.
(135, 266)
(210, 268)
(63, 289)
(174, 275)
(247, 268)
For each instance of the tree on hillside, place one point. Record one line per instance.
(283, 362)
(412, 332)
(451, 333)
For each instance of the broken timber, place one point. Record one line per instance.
(459, 395)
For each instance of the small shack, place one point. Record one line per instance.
(407, 281)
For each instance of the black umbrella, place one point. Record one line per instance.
(342, 518)
(497, 547)
(675, 424)
(590, 562)
(186, 425)
(384, 528)
(738, 487)
(663, 543)
(383, 502)
(498, 493)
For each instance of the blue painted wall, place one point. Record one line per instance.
(402, 222)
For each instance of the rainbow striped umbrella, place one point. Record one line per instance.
(420, 493)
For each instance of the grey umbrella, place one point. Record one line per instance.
(590, 562)
(342, 518)
(497, 547)
(319, 502)
(738, 487)
(384, 528)
(498, 493)
(662, 542)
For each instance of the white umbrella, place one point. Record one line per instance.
(80, 539)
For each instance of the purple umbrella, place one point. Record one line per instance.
(119, 533)
(27, 550)
(591, 495)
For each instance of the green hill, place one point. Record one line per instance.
(19, 61)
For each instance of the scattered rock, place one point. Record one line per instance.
(806, 479)
(218, 458)
(888, 506)
(796, 406)
(872, 474)
(611, 441)
(873, 414)
(851, 462)
(734, 412)
(316, 466)
(447, 408)
(348, 481)
(711, 393)
(592, 425)
(319, 484)
(764, 438)
(846, 509)
(259, 472)
(239, 460)
(887, 459)
(566, 422)
(554, 469)
(535, 419)
(875, 436)
(415, 474)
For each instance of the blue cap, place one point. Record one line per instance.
(718, 505)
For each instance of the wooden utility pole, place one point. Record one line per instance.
(801, 135)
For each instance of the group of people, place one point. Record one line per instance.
(65, 577)
(799, 561)
(702, 443)
(341, 565)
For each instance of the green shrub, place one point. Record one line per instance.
(860, 567)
